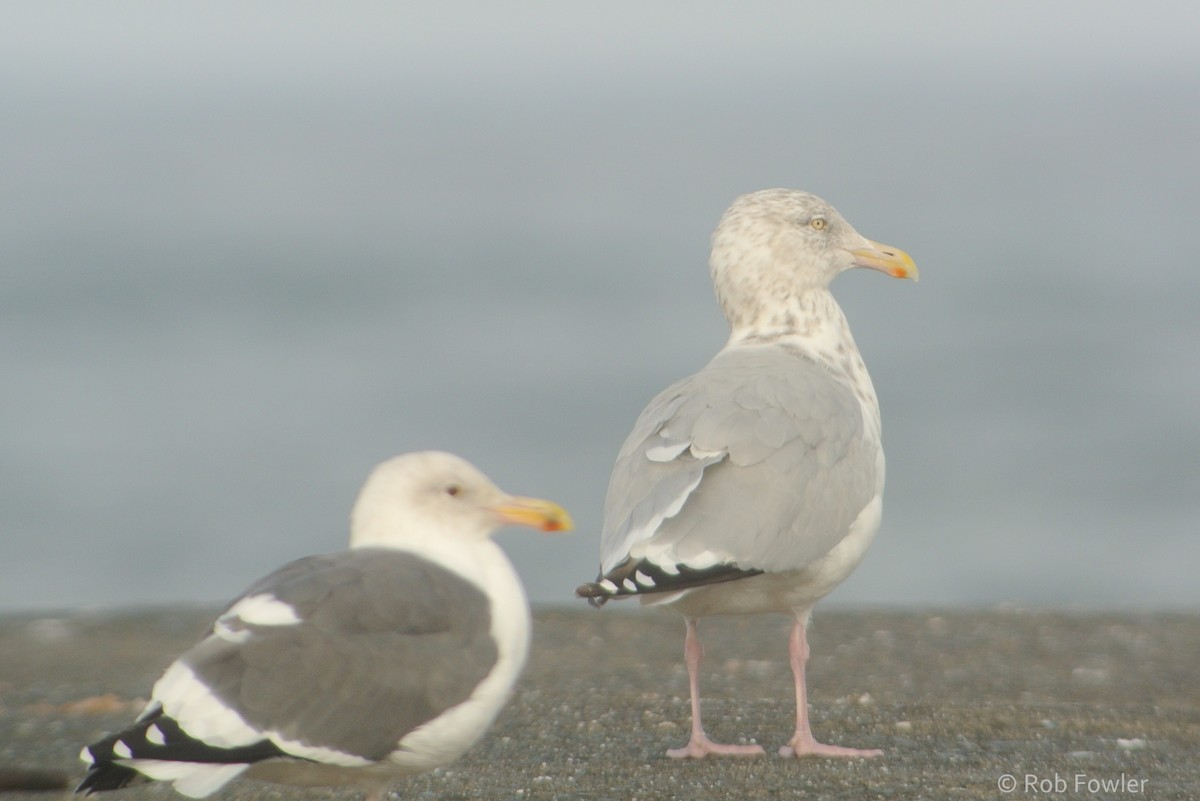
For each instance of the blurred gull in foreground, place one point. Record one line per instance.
(384, 660)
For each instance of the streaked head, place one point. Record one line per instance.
(776, 243)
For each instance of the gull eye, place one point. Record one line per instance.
(818, 223)
(453, 490)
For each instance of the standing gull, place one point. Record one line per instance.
(385, 660)
(756, 484)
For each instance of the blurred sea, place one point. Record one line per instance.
(246, 254)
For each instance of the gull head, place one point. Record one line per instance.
(772, 246)
(432, 494)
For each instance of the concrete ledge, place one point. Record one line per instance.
(1069, 705)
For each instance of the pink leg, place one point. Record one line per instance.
(700, 746)
(802, 743)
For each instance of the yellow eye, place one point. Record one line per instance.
(818, 223)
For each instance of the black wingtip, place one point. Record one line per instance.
(106, 776)
(593, 593)
(170, 744)
(647, 578)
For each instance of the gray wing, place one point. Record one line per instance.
(384, 642)
(758, 462)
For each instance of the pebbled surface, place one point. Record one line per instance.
(957, 700)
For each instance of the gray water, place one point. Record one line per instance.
(248, 251)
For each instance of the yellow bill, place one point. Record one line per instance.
(535, 513)
(885, 258)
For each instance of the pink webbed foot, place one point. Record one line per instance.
(803, 745)
(700, 746)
